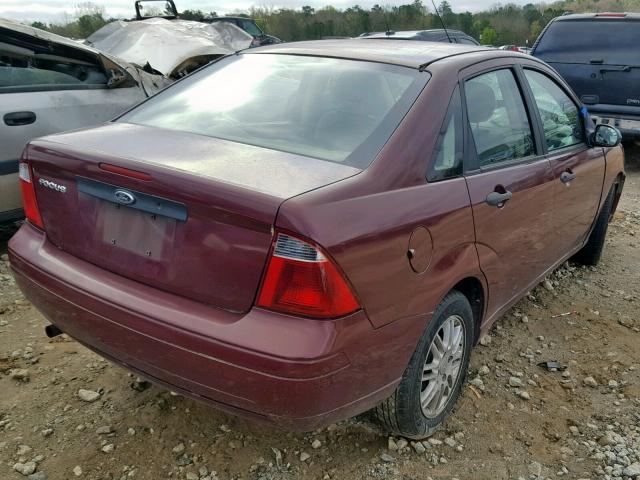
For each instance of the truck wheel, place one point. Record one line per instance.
(592, 251)
(432, 382)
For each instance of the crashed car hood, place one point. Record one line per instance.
(150, 83)
(166, 44)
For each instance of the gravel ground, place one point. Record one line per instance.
(67, 414)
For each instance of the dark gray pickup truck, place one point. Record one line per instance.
(598, 54)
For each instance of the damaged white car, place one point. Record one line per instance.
(50, 84)
(172, 48)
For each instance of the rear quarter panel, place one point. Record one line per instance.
(365, 222)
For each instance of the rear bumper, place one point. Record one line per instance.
(628, 124)
(298, 373)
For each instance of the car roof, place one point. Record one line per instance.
(411, 33)
(45, 36)
(407, 53)
(567, 17)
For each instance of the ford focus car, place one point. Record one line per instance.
(303, 232)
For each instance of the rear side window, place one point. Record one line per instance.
(498, 118)
(331, 109)
(612, 42)
(447, 160)
(560, 116)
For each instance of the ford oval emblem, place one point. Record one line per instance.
(123, 197)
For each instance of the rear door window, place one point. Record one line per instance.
(499, 122)
(560, 116)
(447, 161)
(611, 42)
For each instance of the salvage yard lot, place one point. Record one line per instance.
(514, 419)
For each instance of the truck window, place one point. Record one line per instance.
(581, 41)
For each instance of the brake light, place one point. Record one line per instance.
(611, 14)
(29, 201)
(301, 280)
(127, 172)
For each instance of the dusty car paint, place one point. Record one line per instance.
(301, 372)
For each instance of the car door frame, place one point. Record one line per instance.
(471, 165)
(572, 150)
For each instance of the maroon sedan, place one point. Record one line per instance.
(302, 232)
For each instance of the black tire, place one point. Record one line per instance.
(401, 413)
(592, 251)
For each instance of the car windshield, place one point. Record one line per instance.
(251, 28)
(581, 41)
(332, 109)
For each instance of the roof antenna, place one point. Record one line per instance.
(388, 32)
(441, 21)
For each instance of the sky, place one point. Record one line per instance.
(55, 10)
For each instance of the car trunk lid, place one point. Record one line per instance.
(201, 221)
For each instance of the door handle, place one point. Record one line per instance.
(15, 119)
(567, 176)
(497, 199)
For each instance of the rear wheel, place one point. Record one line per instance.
(436, 372)
(592, 251)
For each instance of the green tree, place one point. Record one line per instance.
(534, 30)
(195, 15)
(87, 24)
(489, 36)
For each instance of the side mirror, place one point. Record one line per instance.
(606, 136)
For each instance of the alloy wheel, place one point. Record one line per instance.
(441, 369)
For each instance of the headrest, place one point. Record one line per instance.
(481, 101)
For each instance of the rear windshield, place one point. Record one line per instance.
(332, 109)
(612, 42)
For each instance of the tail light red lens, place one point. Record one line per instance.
(29, 202)
(301, 280)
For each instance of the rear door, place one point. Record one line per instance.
(599, 58)
(511, 184)
(577, 168)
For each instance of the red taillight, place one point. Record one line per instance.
(301, 280)
(29, 202)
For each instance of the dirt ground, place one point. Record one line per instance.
(515, 420)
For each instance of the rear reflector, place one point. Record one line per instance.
(301, 280)
(29, 201)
